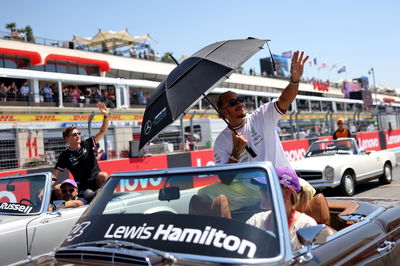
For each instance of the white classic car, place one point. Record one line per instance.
(340, 163)
(27, 226)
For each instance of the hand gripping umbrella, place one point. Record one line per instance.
(192, 80)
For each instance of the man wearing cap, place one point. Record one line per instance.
(341, 132)
(80, 158)
(291, 192)
(69, 193)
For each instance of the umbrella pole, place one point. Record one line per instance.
(248, 149)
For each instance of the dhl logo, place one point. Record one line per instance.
(80, 117)
(116, 117)
(45, 118)
(7, 118)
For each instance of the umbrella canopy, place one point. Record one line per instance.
(192, 79)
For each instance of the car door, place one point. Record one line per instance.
(359, 244)
(50, 229)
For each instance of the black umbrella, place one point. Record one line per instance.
(191, 80)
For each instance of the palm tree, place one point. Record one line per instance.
(11, 26)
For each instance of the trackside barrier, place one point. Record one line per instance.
(294, 150)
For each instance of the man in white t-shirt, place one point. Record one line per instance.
(258, 129)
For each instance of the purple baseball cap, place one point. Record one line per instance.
(287, 177)
(69, 181)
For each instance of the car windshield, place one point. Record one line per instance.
(201, 214)
(21, 195)
(332, 147)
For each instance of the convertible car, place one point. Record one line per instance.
(340, 163)
(27, 226)
(197, 216)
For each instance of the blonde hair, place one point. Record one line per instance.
(299, 200)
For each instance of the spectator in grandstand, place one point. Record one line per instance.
(12, 92)
(341, 132)
(132, 52)
(3, 92)
(69, 193)
(48, 93)
(80, 159)
(258, 129)
(25, 92)
(96, 97)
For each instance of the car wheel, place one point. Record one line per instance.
(347, 184)
(386, 177)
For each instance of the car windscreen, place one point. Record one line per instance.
(223, 214)
(325, 148)
(21, 196)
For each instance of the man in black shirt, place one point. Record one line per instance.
(80, 159)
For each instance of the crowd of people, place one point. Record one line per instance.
(11, 91)
(147, 54)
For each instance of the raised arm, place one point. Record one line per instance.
(104, 127)
(296, 71)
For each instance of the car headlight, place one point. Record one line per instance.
(329, 172)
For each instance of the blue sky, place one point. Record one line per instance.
(358, 34)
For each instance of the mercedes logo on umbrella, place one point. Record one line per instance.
(147, 127)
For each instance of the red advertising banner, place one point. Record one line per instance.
(369, 140)
(129, 185)
(202, 158)
(135, 164)
(295, 149)
(392, 138)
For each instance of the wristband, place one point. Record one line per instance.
(294, 83)
(105, 116)
(53, 179)
(233, 159)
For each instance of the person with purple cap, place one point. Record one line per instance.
(291, 192)
(69, 193)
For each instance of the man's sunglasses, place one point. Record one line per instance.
(234, 101)
(76, 134)
(65, 190)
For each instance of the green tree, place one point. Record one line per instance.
(11, 26)
(29, 34)
(166, 58)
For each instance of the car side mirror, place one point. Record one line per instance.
(169, 193)
(311, 235)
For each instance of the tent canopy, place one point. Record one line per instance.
(112, 39)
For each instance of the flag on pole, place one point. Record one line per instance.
(315, 61)
(342, 69)
(323, 65)
(287, 54)
(333, 67)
